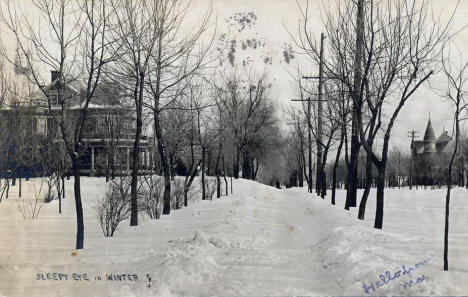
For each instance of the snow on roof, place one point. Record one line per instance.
(93, 106)
(73, 85)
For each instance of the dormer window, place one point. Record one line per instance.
(54, 99)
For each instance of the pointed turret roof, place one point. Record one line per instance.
(429, 135)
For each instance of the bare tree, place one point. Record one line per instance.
(342, 110)
(456, 74)
(178, 54)
(136, 28)
(250, 112)
(296, 143)
(192, 158)
(76, 47)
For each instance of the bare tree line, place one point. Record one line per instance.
(379, 53)
(147, 58)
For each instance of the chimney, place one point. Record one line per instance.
(54, 75)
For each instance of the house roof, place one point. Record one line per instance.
(444, 138)
(73, 86)
(429, 135)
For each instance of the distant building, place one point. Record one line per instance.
(430, 145)
(108, 132)
(429, 155)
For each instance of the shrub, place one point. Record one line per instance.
(30, 208)
(49, 196)
(152, 195)
(114, 207)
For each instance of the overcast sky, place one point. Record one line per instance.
(272, 40)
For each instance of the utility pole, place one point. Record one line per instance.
(412, 134)
(320, 178)
(309, 140)
(320, 173)
(301, 167)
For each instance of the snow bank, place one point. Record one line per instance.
(369, 262)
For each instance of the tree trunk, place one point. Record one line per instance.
(224, 176)
(323, 174)
(218, 171)
(449, 188)
(446, 229)
(255, 169)
(135, 168)
(107, 166)
(20, 177)
(60, 201)
(379, 210)
(208, 162)
(186, 189)
(246, 165)
(59, 192)
(78, 205)
(321, 182)
(165, 165)
(236, 164)
(218, 186)
(300, 172)
(309, 186)
(365, 195)
(203, 174)
(63, 185)
(188, 183)
(138, 97)
(351, 192)
(335, 168)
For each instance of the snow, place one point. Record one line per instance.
(258, 241)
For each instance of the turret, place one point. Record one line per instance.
(429, 139)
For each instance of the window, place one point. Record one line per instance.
(41, 126)
(53, 99)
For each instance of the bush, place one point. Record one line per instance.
(114, 207)
(152, 195)
(49, 196)
(30, 208)
(50, 181)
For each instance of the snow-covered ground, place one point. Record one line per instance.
(258, 241)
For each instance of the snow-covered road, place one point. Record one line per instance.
(259, 241)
